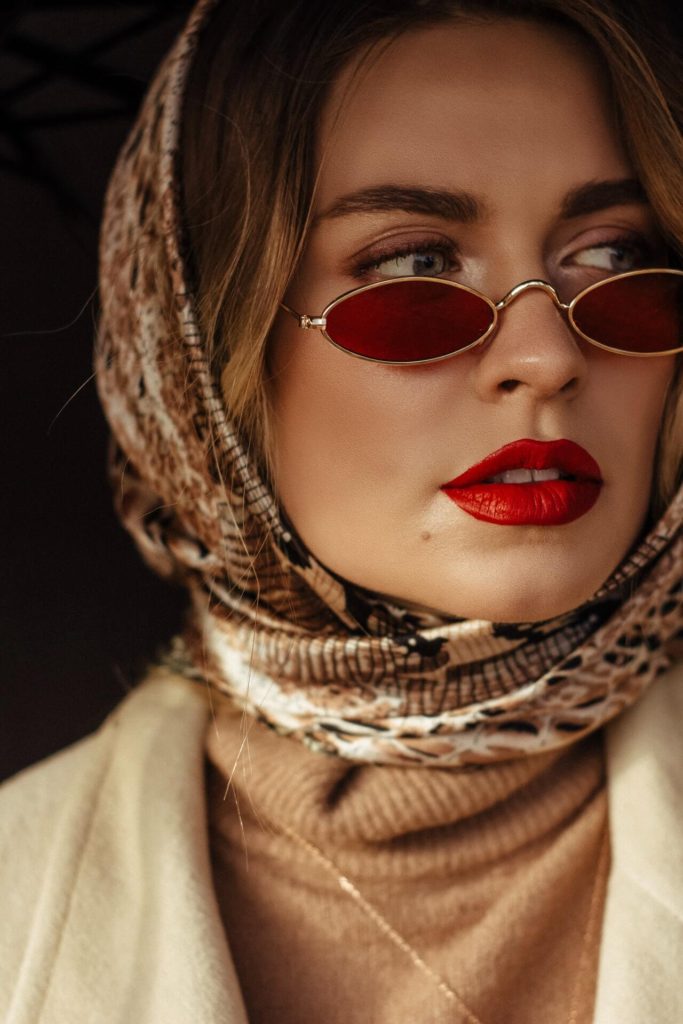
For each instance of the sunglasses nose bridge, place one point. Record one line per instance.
(524, 286)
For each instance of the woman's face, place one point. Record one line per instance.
(517, 116)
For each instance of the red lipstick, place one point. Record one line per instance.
(534, 502)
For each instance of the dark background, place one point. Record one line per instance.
(79, 613)
(80, 616)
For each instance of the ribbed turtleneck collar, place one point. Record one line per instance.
(387, 814)
(487, 873)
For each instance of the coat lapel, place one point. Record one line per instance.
(641, 953)
(126, 927)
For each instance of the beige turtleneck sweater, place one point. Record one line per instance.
(493, 875)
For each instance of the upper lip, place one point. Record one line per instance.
(566, 456)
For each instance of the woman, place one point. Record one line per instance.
(472, 564)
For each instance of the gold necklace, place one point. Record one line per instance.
(401, 943)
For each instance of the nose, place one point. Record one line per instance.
(533, 352)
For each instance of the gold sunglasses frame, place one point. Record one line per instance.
(567, 308)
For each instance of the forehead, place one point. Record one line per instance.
(492, 107)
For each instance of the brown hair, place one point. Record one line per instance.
(254, 100)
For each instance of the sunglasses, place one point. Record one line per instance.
(412, 320)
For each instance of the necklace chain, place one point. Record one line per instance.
(401, 943)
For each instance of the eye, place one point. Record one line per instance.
(414, 264)
(616, 256)
(415, 260)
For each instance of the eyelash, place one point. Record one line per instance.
(448, 249)
(635, 243)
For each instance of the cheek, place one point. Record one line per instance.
(640, 393)
(632, 401)
(345, 427)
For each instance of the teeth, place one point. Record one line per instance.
(525, 476)
(515, 476)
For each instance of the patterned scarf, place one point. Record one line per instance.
(315, 657)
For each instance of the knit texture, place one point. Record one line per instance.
(488, 873)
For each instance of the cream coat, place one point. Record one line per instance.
(109, 913)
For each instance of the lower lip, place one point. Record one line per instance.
(546, 503)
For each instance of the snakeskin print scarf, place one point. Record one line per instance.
(316, 658)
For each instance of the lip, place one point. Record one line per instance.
(540, 503)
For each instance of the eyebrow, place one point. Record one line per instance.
(459, 206)
(466, 208)
(600, 195)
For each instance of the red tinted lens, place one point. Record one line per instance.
(407, 321)
(642, 313)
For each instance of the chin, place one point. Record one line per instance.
(527, 582)
(519, 603)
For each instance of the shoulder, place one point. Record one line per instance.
(642, 932)
(645, 786)
(35, 796)
(653, 723)
(78, 810)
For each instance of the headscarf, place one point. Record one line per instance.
(341, 668)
